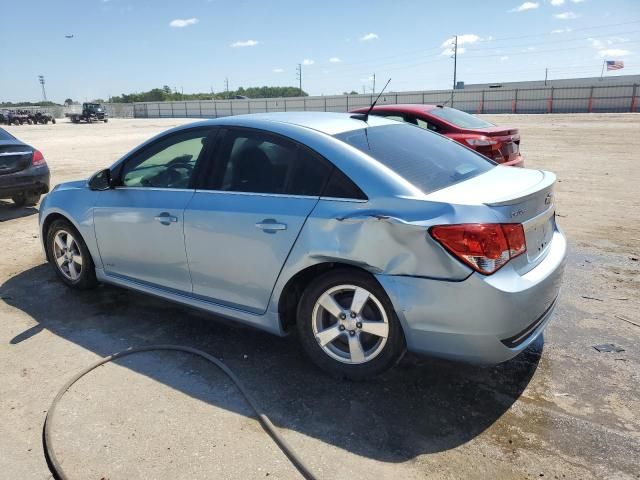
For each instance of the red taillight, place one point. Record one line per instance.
(485, 247)
(37, 159)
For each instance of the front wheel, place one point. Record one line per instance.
(348, 326)
(70, 256)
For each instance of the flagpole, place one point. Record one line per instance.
(602, 72)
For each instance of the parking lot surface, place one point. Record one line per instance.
(560, 410)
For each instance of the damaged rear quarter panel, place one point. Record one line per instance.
(386, 236)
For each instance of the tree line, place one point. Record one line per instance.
(166, 94)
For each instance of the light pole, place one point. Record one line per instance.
(299, 77)
(44, 92)
(455, 65)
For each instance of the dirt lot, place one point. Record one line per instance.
(560, 410)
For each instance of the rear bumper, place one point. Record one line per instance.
(482, 319)
(34, 180)
(516, 162)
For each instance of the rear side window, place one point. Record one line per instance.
(341, 186)
(459, 118)
(427, 160)
(253, 161)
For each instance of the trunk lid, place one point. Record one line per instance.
(515, 195)
(508, 139)
(14, 156)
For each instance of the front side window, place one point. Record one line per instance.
(427, 160)
(258, 162)
(168, 163)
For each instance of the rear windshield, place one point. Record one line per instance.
(4, 135)
(427, 160)
(459, 118)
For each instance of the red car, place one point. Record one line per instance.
(501, 144)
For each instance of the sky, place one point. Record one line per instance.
(125, 46)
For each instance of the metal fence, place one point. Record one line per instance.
(587, 99)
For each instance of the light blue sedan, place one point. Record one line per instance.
(367, 236)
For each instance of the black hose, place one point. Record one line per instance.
(56, 468)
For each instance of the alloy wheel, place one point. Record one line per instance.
(350, 324)
(67, 255)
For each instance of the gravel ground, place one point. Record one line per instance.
(560, 410)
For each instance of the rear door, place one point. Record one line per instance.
(242, 223)
(139, 224)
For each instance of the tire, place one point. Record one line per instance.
(26, 199)
(340, 355)
(53, 120)
(70, 259)
(106, 120)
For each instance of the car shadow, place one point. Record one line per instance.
(8, 211)
(421, 406)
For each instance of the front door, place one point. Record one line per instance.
(240, 228)
(140, 224)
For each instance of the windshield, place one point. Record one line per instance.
(427, 160)
(459, 118)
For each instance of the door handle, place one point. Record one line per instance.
(166, 219)
(269, 225)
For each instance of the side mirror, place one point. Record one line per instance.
(101, 180)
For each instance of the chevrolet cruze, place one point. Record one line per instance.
(367, 236)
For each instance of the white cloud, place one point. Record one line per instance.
(504, 58)
(557, 3)
(566, 16)
(308, 61)
(465, 39)
(334, 60)
(278, 70)
(561, 30)
(577, 1)
(246, 43)
(525, 6)
(614, 52)
(604, 47)
(369, 36)
(182, 22)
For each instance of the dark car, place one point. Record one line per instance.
(500, 144)
(24, 174)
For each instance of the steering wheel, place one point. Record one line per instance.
(171, 176)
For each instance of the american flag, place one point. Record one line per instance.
(615, 64)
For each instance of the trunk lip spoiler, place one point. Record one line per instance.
(547, 181)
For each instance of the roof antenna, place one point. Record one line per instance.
(365, 116)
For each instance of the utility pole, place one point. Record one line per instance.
(455, 65)
(374, 84)
(226, 86)
(546, 72)
(299, 76)
(44, 92)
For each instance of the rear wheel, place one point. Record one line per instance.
(70, 256)
(348, 326)
(26, 199)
